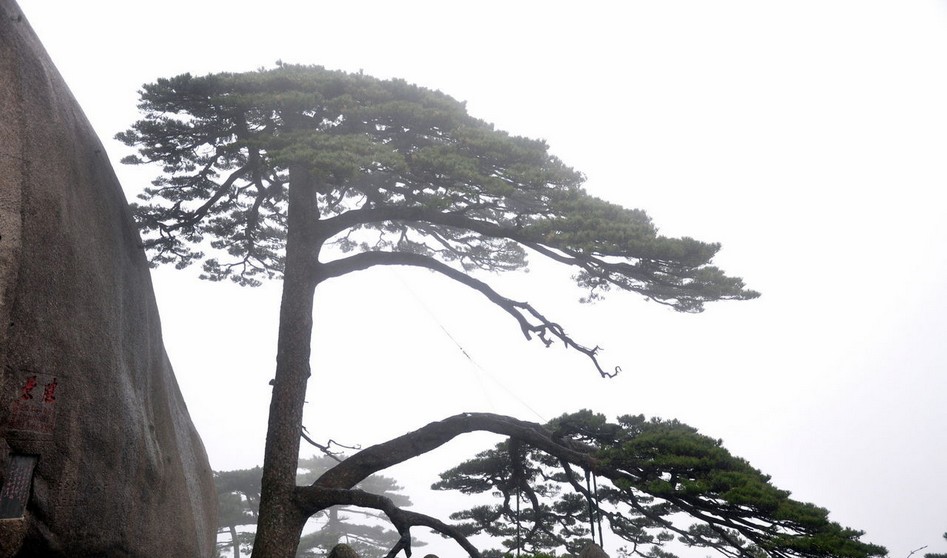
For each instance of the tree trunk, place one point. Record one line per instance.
(280, 520)
(235, 541)
(333, 527)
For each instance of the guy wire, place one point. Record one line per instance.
(464, 351)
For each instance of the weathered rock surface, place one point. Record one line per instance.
(86, 385)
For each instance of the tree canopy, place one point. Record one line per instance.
(653, 482)
(660, 481)
(404, 176)
(307, 174)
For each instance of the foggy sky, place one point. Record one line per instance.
(809, 138)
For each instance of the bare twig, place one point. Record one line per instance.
(327, 448)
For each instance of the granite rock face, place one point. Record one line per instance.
(88, 398)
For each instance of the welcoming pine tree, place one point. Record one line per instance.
(308, 175)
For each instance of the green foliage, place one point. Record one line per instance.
(658, 481)
(938, 555)
(238, 500)
(371, 143)
(402, 168)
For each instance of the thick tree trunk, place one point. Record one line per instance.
(280, 520)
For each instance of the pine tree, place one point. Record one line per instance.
(238, 499)
(363, 530)
(937, 555)
(307, 175)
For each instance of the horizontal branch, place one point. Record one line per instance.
(349, 219)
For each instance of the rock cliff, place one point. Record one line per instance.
(89, 405)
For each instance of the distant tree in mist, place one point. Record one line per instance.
(363, 529)
(239, 496)
(238, 499)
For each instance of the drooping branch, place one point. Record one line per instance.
(319, 498)
(326, 448)
(657, 468)
(335, 486)
(531, 321)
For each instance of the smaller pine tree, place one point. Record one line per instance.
(938, 555)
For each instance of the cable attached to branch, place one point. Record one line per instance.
(598, 515)
(591, 487)
(516, 468)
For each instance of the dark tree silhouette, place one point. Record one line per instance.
(309, 175)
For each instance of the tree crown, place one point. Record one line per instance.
(399, 169)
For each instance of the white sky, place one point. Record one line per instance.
(809, 137)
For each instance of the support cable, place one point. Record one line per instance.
(464, 352)
(516, 474)
(518, 542)
(588, 489)
(601, 539)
